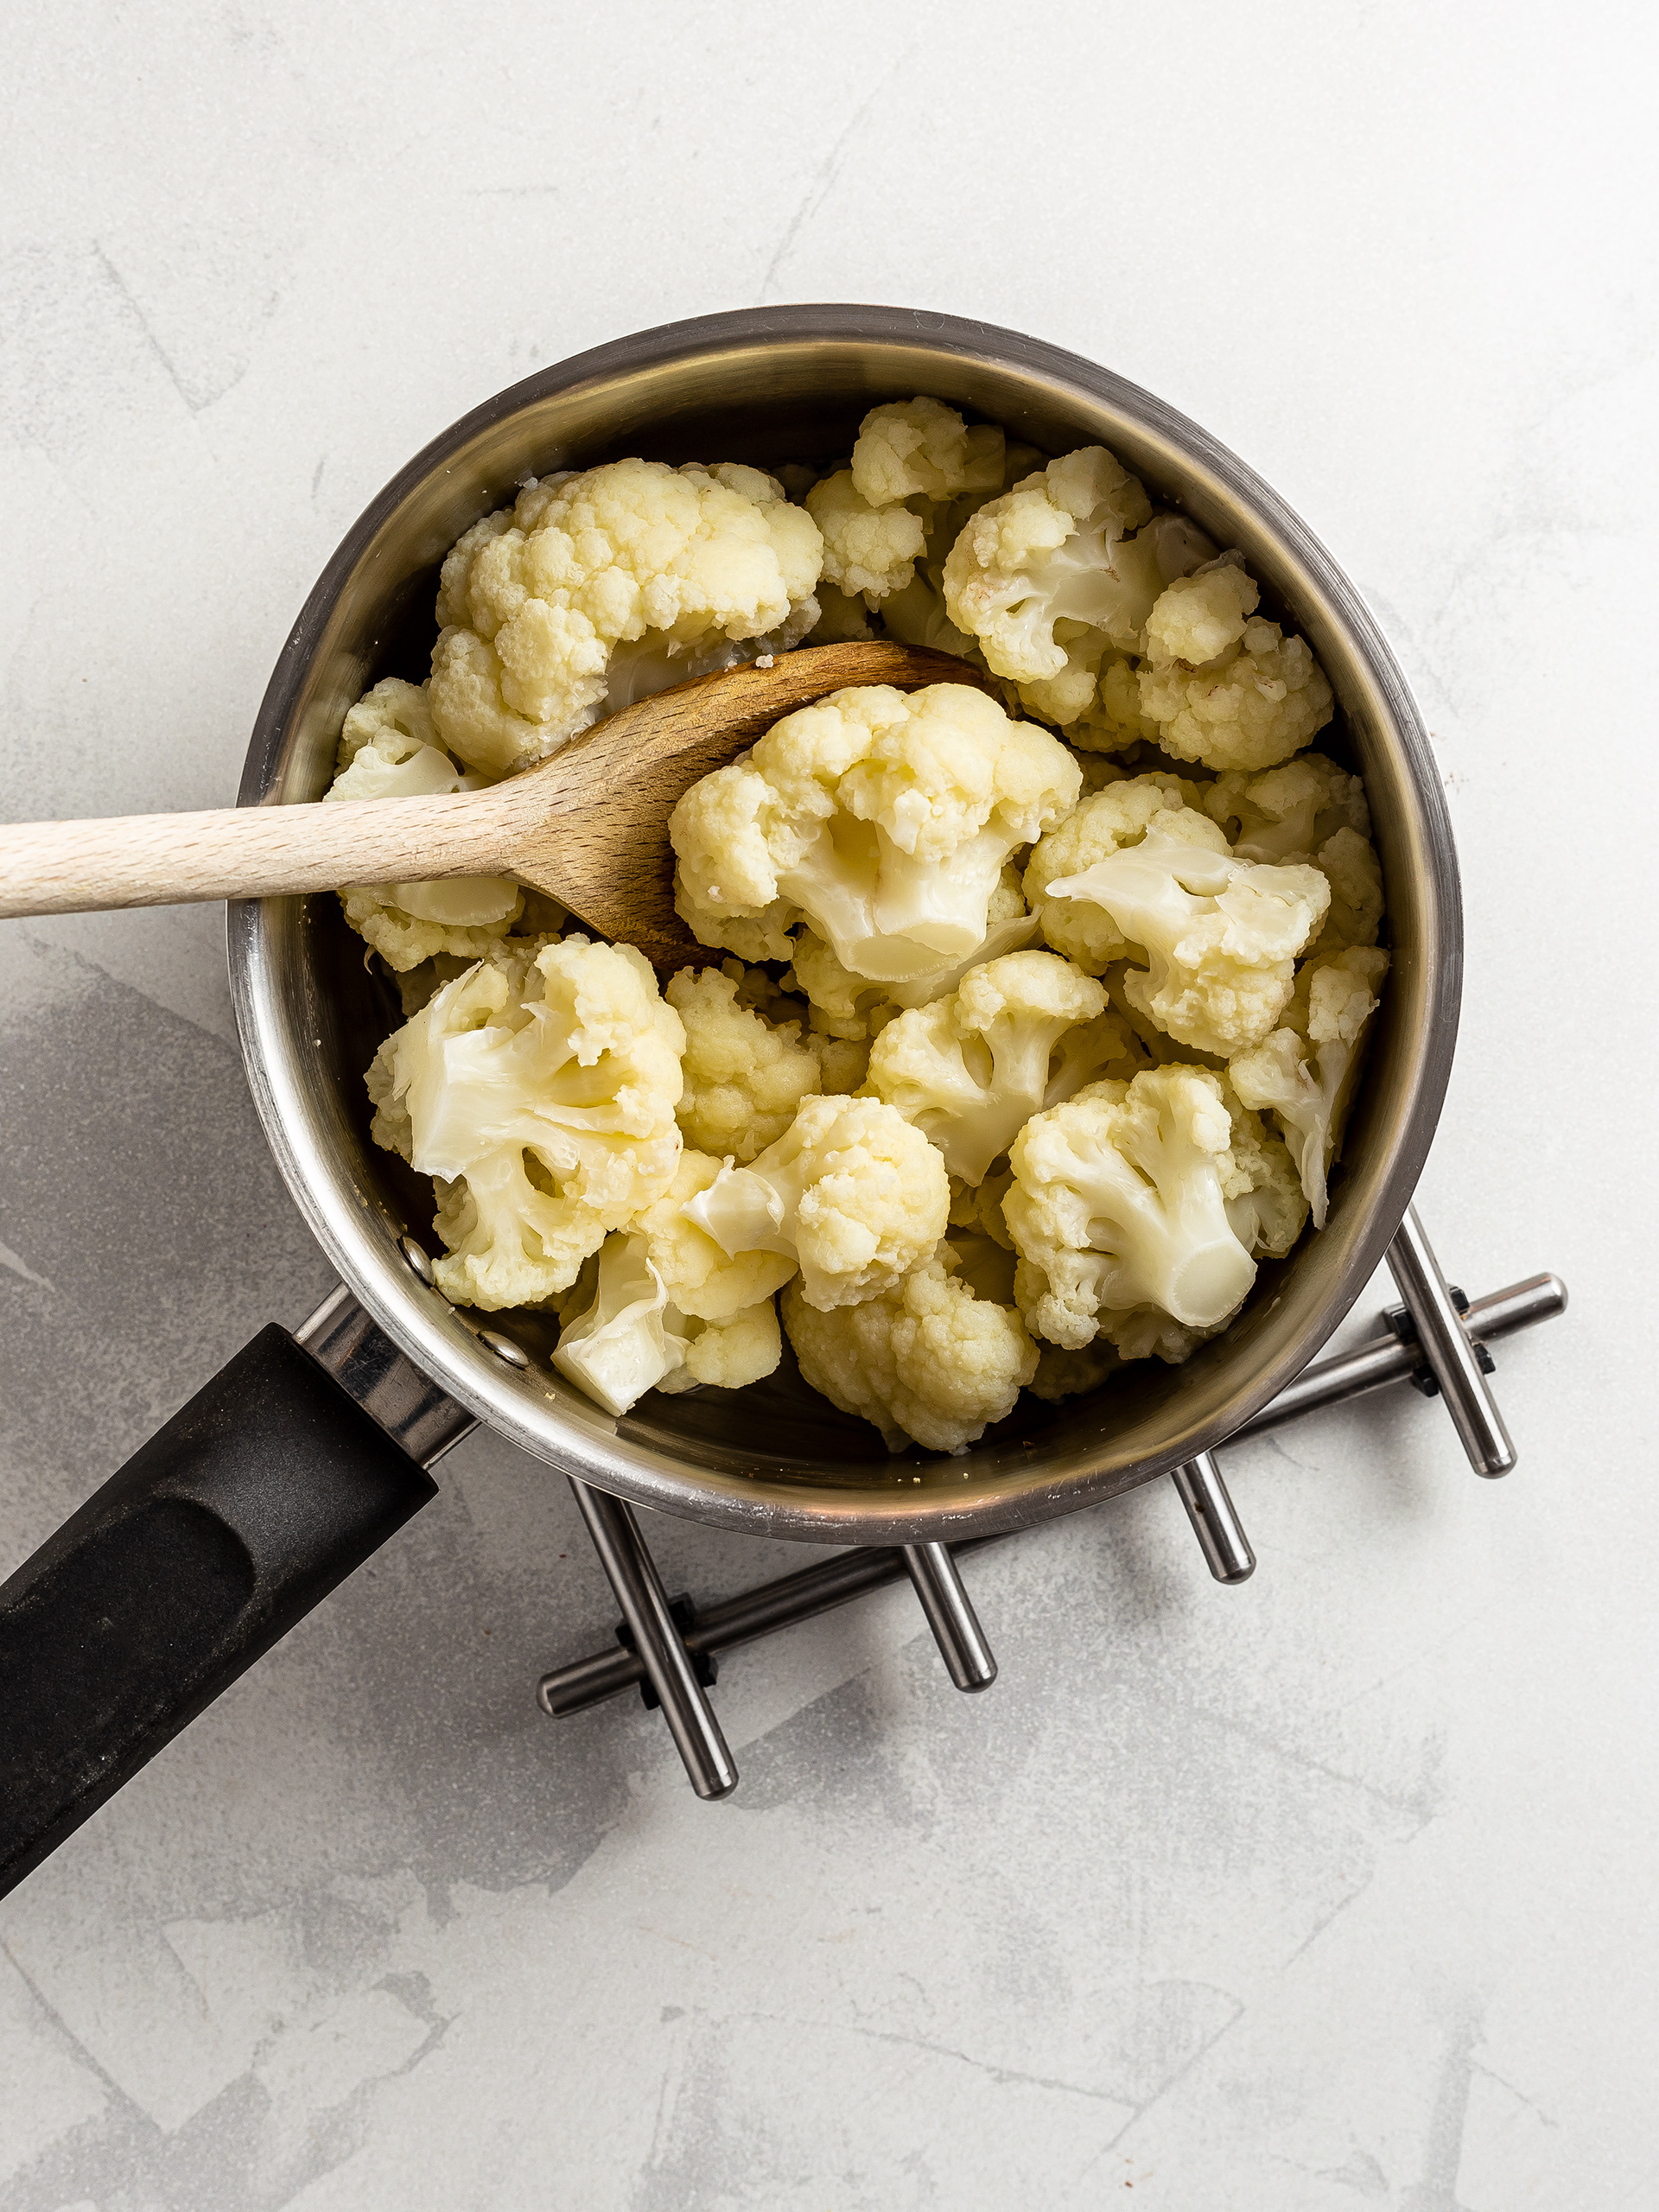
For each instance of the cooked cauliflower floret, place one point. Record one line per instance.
(915, 613)
(1112, 721)
(622, 1342)
(622, 1334)
(1199, 616)
(920, 447)
(850, 1005)
(409, 923)
(869, 550)
(1133, 1196)
(883, 819)
(1116, 816)
(389, 749)
(728, 1355)
(1349, 864)
(705, 1281)
(1286, 813)
(924, 1359)
(1063, 567)
(1019, 1033)
(687, 569)
(1159, 1049)
(540, 1088)
(916, 461)
(744, 1078)
(1097, 689)
(1220, 935)
(1306, 1071)
(1266, 1203)
(844, 1005)
(852, 1194)
(1262, 699)
(1309, 810)
(1040, 553)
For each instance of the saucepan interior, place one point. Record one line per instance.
(770, 387)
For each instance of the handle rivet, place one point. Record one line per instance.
(504, 1348)
(417, 1260)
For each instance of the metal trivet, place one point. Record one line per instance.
(1436, 1340)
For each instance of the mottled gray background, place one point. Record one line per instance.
(1335, 1892)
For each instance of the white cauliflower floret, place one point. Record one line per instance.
(704, 1281)
(844, 1005)
(1286, 813)
(728, 1355)
(623, 1335)
(624, 1342)
(917, 458)
(970, 1070)
(1306, 1073)
(850, 1005)
(868, 550)
(882, 818)
(1131, 1196)
(1263, 698)
(389, 749)
(409, 923)
(1157, 1048)
(1112, 721)
(1118, 816)
(1063, 567)
(1040, 553)
(540, 1088)
(1349, 864)
(852, 1194)
(924, 1359)
(1200, 615)
(1311, 811)
(680, 565)
(1220, 935)
(1095, 692)
(914, 449)
(744, 1078)
(1266, 1203)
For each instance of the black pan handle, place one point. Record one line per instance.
(235, 1520)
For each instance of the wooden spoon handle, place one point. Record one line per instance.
(254, 852)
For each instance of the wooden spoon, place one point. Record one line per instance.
(589, 826)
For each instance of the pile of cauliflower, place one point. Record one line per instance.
(1033, 1021)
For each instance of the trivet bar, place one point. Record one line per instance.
(1449, 1349)
(1225, 1547)
(742, 1619)
(1394, 1358)
(951, 1616)
(855, 1573)
(660, 1649)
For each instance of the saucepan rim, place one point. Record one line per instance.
(353, 1226)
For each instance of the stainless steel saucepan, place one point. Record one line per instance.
(276, 1481)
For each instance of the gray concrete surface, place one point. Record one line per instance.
(1333, 1892)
